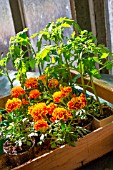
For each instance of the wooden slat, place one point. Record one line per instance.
(99, 9)
(88, 148)
(83, 14)
(104, 90)
(3, 101)
(17, 15)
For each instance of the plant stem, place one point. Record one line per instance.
(11, 84)
(38, 64)
(95, 93)
(81, 73)
(69, 73)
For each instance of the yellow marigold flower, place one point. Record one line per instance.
(66, 90)
(57, 96)
(34, 94)
(17, 91)
(51, 107)
(30, 108)
(41, 125)
(31, 83)
(42, 78)
(61, 113)
(25, 102)
(53, 83)
(13, 104)
(38, 110)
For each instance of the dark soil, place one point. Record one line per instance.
(107, 111)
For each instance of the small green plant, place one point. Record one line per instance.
(20, 54)
(78, 52)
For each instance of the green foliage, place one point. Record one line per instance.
(55, 56)
(16, 127)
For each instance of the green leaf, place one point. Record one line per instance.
(28, 143)
(34, 35)
(63, 127)
(43, 53)
(53, 60)
(53, 145)
(32, 63)
(65, 25)
(73, 35)
(104, 55)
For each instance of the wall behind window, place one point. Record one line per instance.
(6, 27)
(39, 12)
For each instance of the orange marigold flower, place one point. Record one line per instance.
(34, 94)
(42, 78)
(41, 125)
(25, 102)
(0, 118)
(77, 103)
(53, 119)
(74, 104)
(83, 100)
(57, 96)
(53, 83)
(13, 104)
(31, 83)
(17, 91)
(38, 110)
(51, 107)
(66, 90)
(37, 118)
(61, 113)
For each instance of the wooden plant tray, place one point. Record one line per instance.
(101, 123)
(88, 148)
(3, 101)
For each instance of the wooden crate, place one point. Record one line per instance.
(3, 101)
(88, 148)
